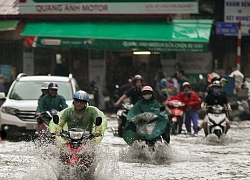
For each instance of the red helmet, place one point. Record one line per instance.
(147, 88)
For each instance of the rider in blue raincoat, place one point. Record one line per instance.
(161, 126)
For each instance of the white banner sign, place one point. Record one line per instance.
(238, 11)
(28, 62)
(31, 7)
(194, 63)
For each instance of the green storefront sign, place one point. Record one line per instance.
(109, 44)
(106, 1)
(180, 35)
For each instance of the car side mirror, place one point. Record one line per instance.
(56, 119)
(98, 121)
(2, 95)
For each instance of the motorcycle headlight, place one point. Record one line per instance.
(75, 135)
(217, 109)
(9, 110)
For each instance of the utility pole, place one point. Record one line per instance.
(239, 46)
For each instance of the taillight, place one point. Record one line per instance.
(22, 1)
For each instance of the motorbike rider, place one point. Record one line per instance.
(134, 92)
(44, 89)
(50, 101)
(82, 115)
(214, 98)
(192, 102)
(222, 81)
(147, 104)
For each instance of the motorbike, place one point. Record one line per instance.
(121, 116)
(216, 120)
(240, 110)
(145, 125)
(175, 111)
(45, 137)
(44, 119)
(77, 155)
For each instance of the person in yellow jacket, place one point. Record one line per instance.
(81, 115)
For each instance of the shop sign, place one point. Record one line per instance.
(109, 7)
(238, 11)
(110, 44)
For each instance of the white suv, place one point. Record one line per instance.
(17, 113)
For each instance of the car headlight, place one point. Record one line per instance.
(75, 135)
(9, 110)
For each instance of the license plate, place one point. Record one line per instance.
(31, 126)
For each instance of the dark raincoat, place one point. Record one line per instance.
(142, 106)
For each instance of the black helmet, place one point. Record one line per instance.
(53, 86)
(137, 77)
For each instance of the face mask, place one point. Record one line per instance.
(186, 92)
(147, 96)
(216, 91)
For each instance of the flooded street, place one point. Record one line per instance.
(186, 158)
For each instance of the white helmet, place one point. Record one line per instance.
(216, 84)
(45, 85)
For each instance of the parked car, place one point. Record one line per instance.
(17, 113)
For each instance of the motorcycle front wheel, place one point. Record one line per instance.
(121, 126)
(217, 133)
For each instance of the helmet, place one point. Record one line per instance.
(215, 79)
(186, 84)
(147, 88)
(53, 86)
(81, 95)
(45, 85)
(216, 83)
(137, 77)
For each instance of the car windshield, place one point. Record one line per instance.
(31, 90)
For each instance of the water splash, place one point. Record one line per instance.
(212, 139)
(107, 164)
(139, 152)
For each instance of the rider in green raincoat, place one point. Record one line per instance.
(81, 115)
(147, 104)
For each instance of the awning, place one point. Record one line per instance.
(8, 25)
(180, 35)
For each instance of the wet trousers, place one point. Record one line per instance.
(191, 115)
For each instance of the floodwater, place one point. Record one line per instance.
(186, 157)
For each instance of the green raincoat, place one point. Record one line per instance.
(47, 103)
(87, 122)
(160, 125)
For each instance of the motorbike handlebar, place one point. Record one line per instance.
(66, 134)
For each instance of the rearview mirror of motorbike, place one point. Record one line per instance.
(98, 121)
(56, 119)
(3, 134)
